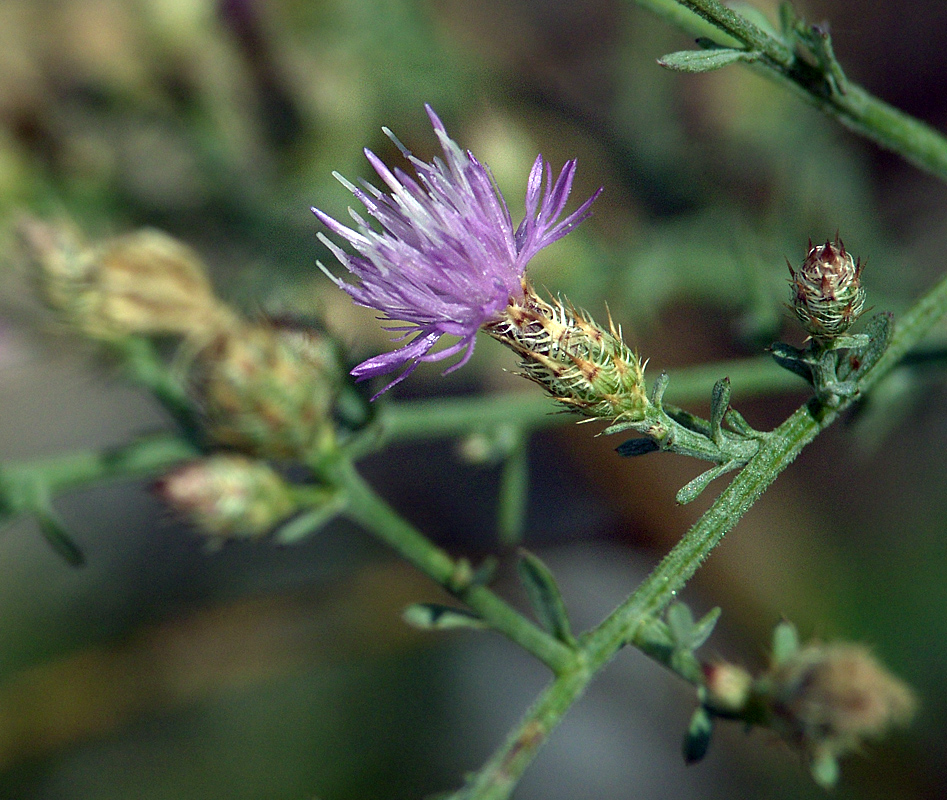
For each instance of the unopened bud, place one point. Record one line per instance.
(269, 390)
(728, 688)
(827, 292)
(63, 267)
(229, 495)
(587, 369)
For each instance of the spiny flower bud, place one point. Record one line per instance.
(229, 495)
(589, 370)
(143, 282)
(827, 292)
(827, 698)
(268, 389)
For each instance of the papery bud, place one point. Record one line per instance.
(153, 284)
(585, 368)
(63, 267)
(269, 390)
(827, 698)
(827, 292)
(229, 495)
(144, 282)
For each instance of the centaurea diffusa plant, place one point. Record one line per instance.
(448, 261)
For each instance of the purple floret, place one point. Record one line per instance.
(447, 259)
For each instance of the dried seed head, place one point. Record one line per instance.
(827, 698)
(268, 389)
(827, 292)
(228, 495)
(585, 368)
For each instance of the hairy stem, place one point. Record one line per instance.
(854, 108)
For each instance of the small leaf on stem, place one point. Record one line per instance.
(544, 596)
(719, 404)
(706, 60)
(432, 616)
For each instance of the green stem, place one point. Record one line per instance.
(413, 421)
(856, 109)
(741, 29)
(497, 778)
(60, 473)
(149, 370)
(375, 515)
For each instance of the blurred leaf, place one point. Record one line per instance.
(785, 642)
(697, 738)
(545, 596)
(431, 616)
(58, 537)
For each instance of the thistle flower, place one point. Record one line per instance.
(827, 292)
(447, 259)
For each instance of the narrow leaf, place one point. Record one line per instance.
(739, 424)
(637, 447)
(657, 390)
(701, 630)
(719, 403)
(825, 771)
(693, 489)
(785, 642)
(793, 359)
(59, 539)
(706, 60)
(685, 664)
(879, 330)
(544, 596)
(680, 623)
(431, 616)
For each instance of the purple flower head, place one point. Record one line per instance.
(447, 258)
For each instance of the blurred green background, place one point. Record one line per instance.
(160, 670)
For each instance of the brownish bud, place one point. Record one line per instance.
(151, 283)
(827, 698)
(268, 390)
(228, 495)
(728, 688)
